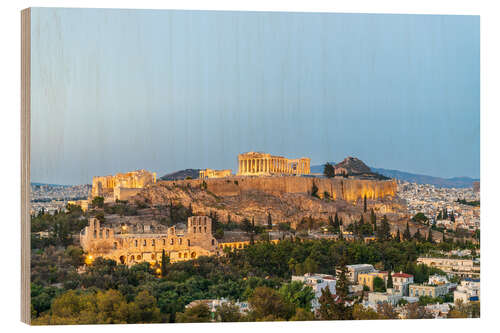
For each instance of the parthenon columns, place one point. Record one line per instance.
(262, 164)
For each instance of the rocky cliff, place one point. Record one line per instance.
(337, 188)
(287, 199)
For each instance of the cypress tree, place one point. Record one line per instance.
(429, 237)
(389, 280)
(384, 233)
(330, 221)
(314, 190)
(269, 221)
(407, 233)
(342, 286)
(398, 236)
(417, 235)
(164, 262)
(373, 217)
(336, 222)
(364, 204)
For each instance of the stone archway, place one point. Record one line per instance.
(122, 260)
(193, 255)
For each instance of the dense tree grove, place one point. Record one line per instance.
(60, 295)
(108, 292)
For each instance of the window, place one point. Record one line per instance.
(200, 229)
(144, 243)
(115, 245)
(95, 233)
(213, 242)
(153, 242)
(136, 243)
(107, 233)
(180, 241)
(194, 230)
(205, 229)
(164, 241)
(180, 255)
(189, 242)
(171, 241)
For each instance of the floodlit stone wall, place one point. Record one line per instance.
(104, 186)
(210, 173)
(337, 188)
(131, 248)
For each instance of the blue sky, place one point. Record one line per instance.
(119, 90)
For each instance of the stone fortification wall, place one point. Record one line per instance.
(105, 185)
(197, 240)
(339, 189)
(121, 193)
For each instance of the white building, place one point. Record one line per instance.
(354, 270)
(438, 279)
(317, 282)
(467, 291)
(375, 298)
(401, 283)
(439, 310)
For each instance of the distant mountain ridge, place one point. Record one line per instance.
(457, 182)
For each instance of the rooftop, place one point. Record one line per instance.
(404, 275)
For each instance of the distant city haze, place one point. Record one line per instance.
(120, 90)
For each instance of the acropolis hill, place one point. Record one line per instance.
(285, 198)
(264, 184)
(337, 188)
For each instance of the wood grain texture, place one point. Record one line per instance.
(25, 163)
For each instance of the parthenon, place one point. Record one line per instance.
(254, 163)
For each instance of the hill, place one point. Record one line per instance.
(354, 166)
(285, 198)
(457, 182)
(182, 174)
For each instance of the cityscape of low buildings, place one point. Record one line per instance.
(51, 198)
(430, 200)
